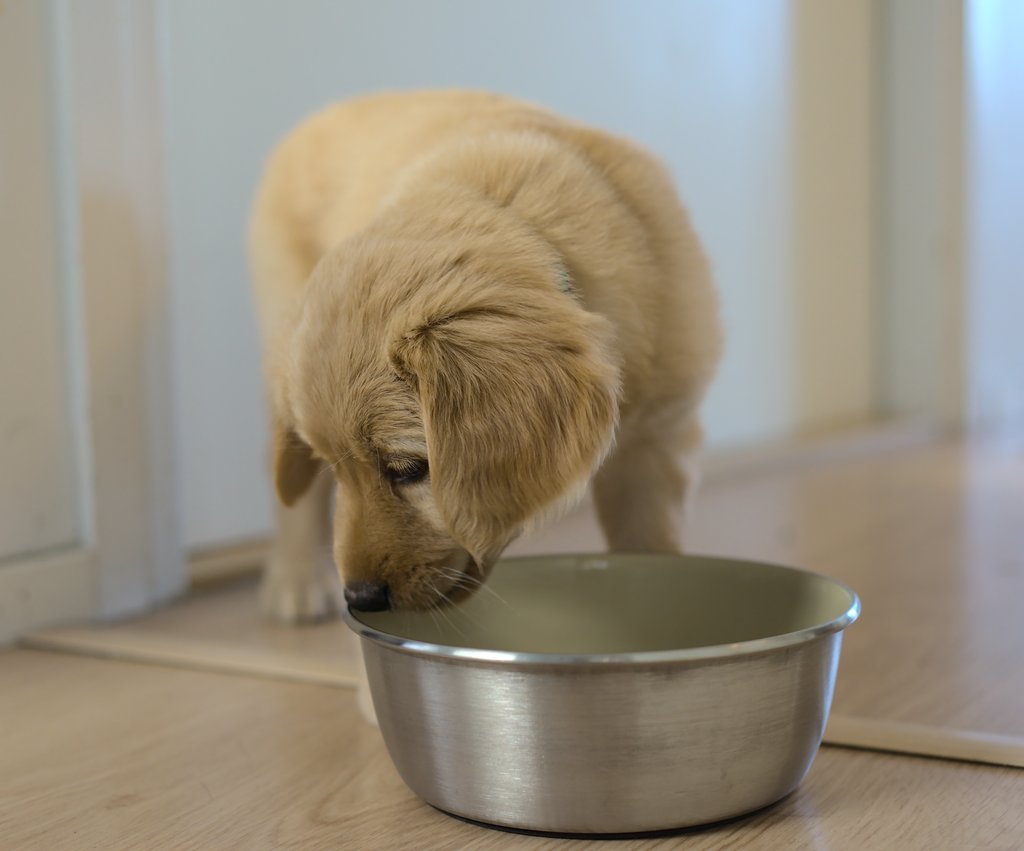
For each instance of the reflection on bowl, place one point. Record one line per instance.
(610, 694)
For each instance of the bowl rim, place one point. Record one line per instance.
(705, 653)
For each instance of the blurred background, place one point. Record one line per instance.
(853, 166)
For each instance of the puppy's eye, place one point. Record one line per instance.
(407, 471)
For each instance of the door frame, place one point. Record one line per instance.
(106, 155)
(923, 298)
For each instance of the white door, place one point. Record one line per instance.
(38, 485)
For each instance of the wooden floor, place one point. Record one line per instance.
(107, 754)
(933, 542)
(112, 753)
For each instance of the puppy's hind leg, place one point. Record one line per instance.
(644, 489)
(300, 582)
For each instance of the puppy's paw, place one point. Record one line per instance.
(295, 594)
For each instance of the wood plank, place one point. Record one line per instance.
(933, 542)
(219, 628)
(104, 754)
(921, 740)
(183, 652)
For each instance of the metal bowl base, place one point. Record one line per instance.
(684, 830)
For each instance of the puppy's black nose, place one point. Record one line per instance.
(368, 596)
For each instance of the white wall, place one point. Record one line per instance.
(995, 211)
(762, 109)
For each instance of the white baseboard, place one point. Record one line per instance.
(45, 590)
(808, 451)
(218, 564)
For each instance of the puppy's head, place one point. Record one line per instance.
(455, 394)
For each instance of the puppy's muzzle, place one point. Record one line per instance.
(368, 596)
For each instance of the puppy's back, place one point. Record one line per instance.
(326, 178)
(331, 173)
(329, 177)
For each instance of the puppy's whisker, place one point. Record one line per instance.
(462, 580)
(501, 600)
(432, 607)
(339, 460)
(442, 597)
(469, 582)
(451, 613)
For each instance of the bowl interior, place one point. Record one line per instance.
(614, 604)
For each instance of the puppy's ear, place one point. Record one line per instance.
(294, 465)
(519, 403)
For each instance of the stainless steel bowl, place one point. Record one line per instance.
(610, 694)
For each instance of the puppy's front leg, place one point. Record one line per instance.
(300, 583)
(644, 488)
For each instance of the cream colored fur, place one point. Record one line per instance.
(517, 298)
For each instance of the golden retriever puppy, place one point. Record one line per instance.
(471, 309)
